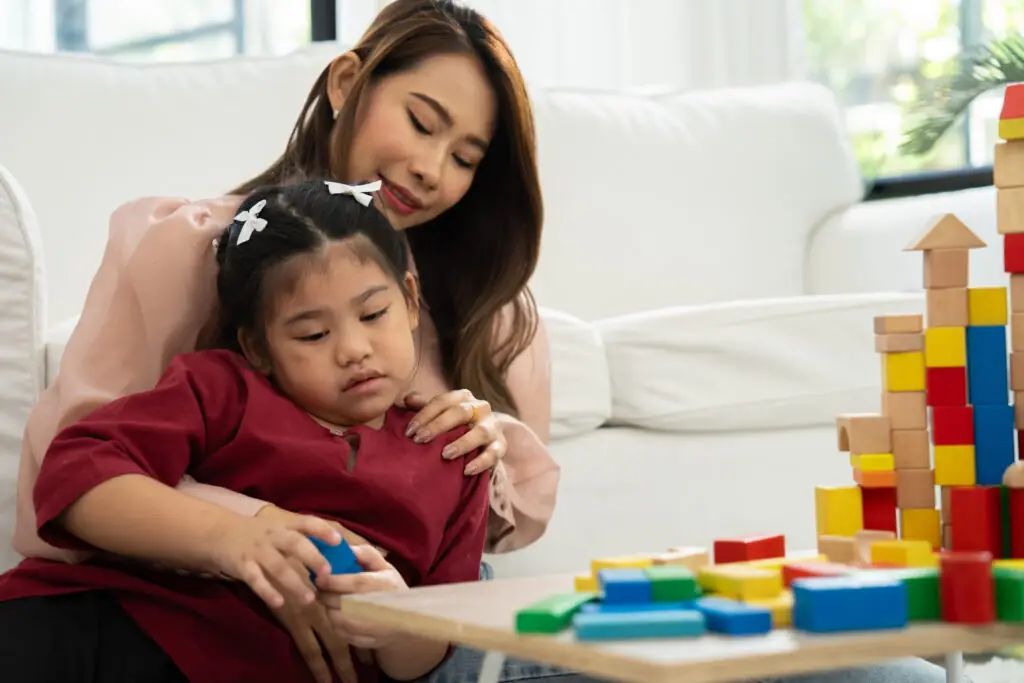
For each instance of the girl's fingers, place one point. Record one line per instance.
(370, 558)
(253, 576)
(315, 527)
(299, 547)
(287, 577)
(345, 584)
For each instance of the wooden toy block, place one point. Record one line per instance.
(903, 371)
(620, 562)
(838, 549)
(954, 465)
(987, 306)
(585, 583)
(896, 343)
(905, 409)
(864, 539)
(740, 582)
(870, 462)
(1015, 512)
(1008, 165)
(1013, 253)
(708, 578)
(781, 608)
(1016, 293)
(1018, 411)
(1017, 330)
(863, 433)
(838, 510)
(921, 525)
(734, 618)
(946, 505)
(552, 614)
(995, 445)
(945, 268)
(607, 607)
(952, 425)
(899, 324)
(875, 479)
(691, 558)
(946, 307)
(1011, 129)
(987, 377)
(902, 553)
(1009, 589)
(746, 549)
(945, 347)
(915, 490)
(1005, 522)
(340, 557)
(1009, 210)
(681, 623)
(946, 386)
(910, 449)
(1016, 372)
(671, 583)
(945, 232)
(967, 588)
(879, 508)
(849, 603)
(1013, 477)
(1012, 106)
(777, 563)
(805, 570)
(947, 536)
(1008, 563)
(624, 585)
(922, 592)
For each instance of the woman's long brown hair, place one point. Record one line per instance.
(476, 259)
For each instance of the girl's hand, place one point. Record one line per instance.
(284, 516)
(377, 575)
(453, 409)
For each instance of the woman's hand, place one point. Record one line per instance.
(453, 409)
(377, 575)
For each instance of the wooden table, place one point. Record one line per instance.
(482, 615)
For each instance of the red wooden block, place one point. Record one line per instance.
(953, 425)
(977, 520)
(802, 570)
(946, 386)
(967, 588)
(1016, 498)
(1013, 253)
(879, 505)
(1013, 102)
(747, 549)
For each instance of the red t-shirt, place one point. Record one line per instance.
(213, 417)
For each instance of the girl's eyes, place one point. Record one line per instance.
(374, 316)
(313, 337)
(423, 130)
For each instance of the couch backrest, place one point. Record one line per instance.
(649, 201)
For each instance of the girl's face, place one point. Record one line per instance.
(339, 340)
(422, 132)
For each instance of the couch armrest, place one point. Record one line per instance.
(861, 248)
(56, 339)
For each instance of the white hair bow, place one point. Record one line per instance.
(253, 222)
(357, 191)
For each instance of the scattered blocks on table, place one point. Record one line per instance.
(967, 588)
(841, 549)
(849, 603)
(624, 585)
(621, 562)
(751, 548)
(922, 592)
(1009, 589)
(807, 570)
(585, 583)
(747, 583)
(922, 525)
(781, 608)
(863, 540)
(552, 614)
(902, 553)
(671, 583)
(690, 557)
(734, 618)
(676, 623)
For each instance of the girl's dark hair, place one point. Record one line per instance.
(477, 258)
(302, 218)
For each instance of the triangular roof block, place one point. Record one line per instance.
(1013, 102)
(947, 232)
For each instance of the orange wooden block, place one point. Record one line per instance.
(875, 479)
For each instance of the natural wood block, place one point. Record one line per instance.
(905, 409)
(1013, 477)
(898, 324)
(945, 503)
(947, 307)
(1018, 411)
(945, 232)
(839, 549)
(899, 342)
(910, 449)
(945, 347)
(947, 535)
(1008, 164)
(862, 541)
(1016, 373)
(1010, 210)
(946, 268)
(863, 433)
(1016, 293)
(1017, 331)
(915, 489)
(986, 306)
(903, 371)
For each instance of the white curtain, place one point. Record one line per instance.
(637, 44)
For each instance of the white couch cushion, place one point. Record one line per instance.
(749, 364)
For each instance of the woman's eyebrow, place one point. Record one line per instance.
(446, 117)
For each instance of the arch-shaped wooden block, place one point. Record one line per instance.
(864, 433)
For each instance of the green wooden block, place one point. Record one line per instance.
(552, 614)
(1009, 594)
(923, 601)
(1004, 509)
(672, 583)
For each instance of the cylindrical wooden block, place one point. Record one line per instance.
(967, 588)
(1016, 517)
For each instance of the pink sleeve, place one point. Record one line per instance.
(153, 293)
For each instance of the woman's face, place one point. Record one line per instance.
(423, 133)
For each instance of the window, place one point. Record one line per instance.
(881, 57)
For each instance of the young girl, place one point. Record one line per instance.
(319, 314)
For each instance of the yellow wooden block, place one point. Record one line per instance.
(586, 583)
(945, 347)
(903, 371)
(904, 553)
(921, 525)
(839, 510)
(954, 465)
(622, 562)
(1011, 129)
(873, 462)
(740, 582)
(986, 306)
(777, 563)
(708, 578)
(1008, 564)
(781, 607)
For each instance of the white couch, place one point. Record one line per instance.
(708, 275)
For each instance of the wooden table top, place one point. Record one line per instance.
(482, 615)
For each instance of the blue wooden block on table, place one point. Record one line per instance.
(629, 625)
(734, 618)
(849, 603)
(995, 446)
(340, 557)
(988, 377)
(625, 586)
(607, 607)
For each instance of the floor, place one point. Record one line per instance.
(994, 670)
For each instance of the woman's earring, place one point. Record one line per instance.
(336, 112)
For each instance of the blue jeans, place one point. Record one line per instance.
(464, 667)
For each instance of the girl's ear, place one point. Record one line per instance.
(342, 75)
(252, 350)
(412, 286)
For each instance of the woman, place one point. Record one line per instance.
(432, 103)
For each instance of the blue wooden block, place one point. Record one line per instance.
(625, 585)
(645, 624)
(606, 607)
(340, 557)
(734, 618)
(849, 603)
(995, 443)
(988, 380)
